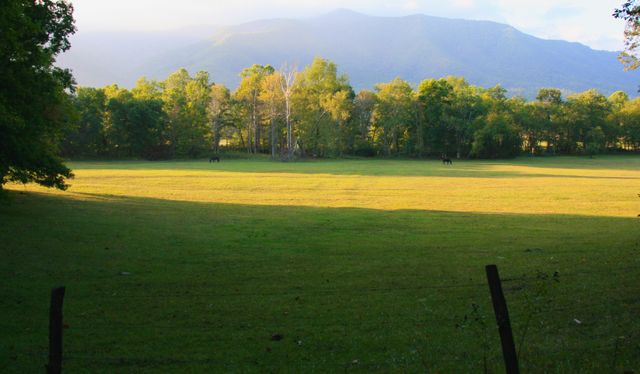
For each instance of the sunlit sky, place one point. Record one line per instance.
(585, 21)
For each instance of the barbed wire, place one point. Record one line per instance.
(562, 298)
(539, 277)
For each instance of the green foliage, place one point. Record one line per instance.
(35, 108)
(322, 104)
(583, 112)
(87, 138)
(248, 93)
(465, 108)
(595, 141)
(317, 114)
(630, 12)
(185, 101)
(393, 115)
(499, 138)
(434, 97)
(362, 131)
(629, 119)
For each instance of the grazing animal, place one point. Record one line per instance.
(214, 158)
(446, 160)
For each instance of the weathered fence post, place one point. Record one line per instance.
(55, 331)
(502, 318)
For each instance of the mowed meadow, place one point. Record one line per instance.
(326, 266)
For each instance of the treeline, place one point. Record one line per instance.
(316, 113)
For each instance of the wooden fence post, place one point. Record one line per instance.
(502, 318)
(55, 331)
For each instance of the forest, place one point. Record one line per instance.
(291, 114)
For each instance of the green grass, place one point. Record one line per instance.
(360, 265)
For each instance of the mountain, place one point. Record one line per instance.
(102, 58)
(369, 50)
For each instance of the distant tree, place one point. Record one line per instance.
(287, 82)
(35, 107)
(185, 101)
(149, 121)
(248, 94)
(499, 138)
(197, 126)
(236, 124)
(86, 138)
(549, 96)
(364, 104)
(340, 107)
(218, 109)
(618, 99)
(174, 103)
(525, 116)
(319, 99)
(462, 113)
(392, 115)
(434, 97)
(585, 111)
(630, 12)
(629, 123)
(595, 141)
(118, 121)
(146, 89)
(273, 101)
(547, 110)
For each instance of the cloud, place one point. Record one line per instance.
(411, 5)
(463, 4)
(585, 21)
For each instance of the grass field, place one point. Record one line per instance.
(364, 266)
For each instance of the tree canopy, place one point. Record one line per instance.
(630, 12)
(35, 107)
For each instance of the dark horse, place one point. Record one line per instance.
(214, 158)
(446, 160)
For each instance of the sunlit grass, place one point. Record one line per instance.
(603, 188)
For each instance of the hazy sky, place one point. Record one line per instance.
(585, 21)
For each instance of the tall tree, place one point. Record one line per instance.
(35, 107)
(286, 86)
(548, 112)
(629, 120)
(393, 113)
(87, 138)
(273, 101)
(585, 111)
(319, 99)
(465, 106)
(248, 93)
(218, 109)
(197, 125)
(364, 105)
(175, 102)
(118, 122)
(185, 101)
(499, 138)
(435, 98)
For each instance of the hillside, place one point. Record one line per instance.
(370, 50)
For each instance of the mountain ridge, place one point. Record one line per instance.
(375, 49)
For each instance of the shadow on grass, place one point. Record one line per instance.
(194, 286)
